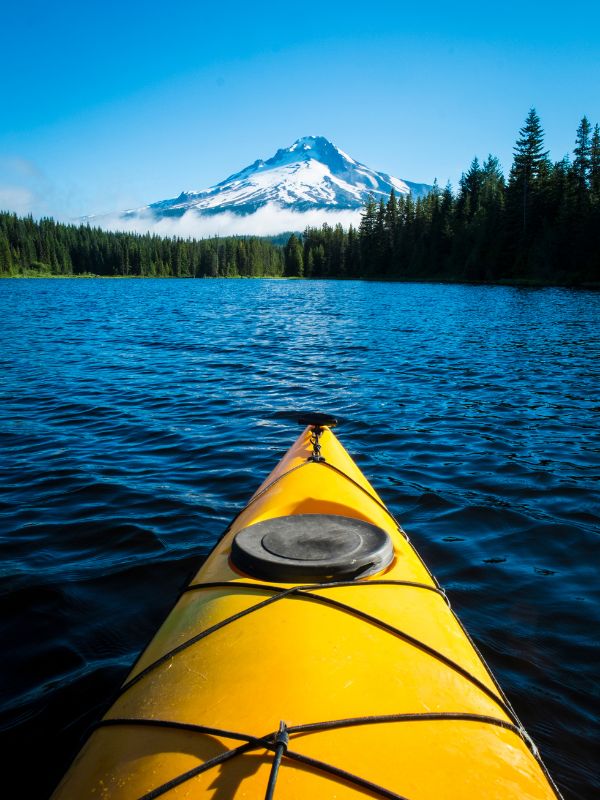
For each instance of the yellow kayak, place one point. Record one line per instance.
(312, 656)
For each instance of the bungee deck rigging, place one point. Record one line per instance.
(379, 643)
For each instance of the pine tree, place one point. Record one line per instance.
(470, 188)
(380, 242)
(337, 265)
(5, 255)
(368, 236)
(294, 258)
(595, 165)
(352, 254)
(583, 154)
(444, 232)
(530, 158)
(310, 265)
(391, 224)
(492, 183)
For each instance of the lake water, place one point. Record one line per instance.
(137, 417)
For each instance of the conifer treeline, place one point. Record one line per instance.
(541, 225)
(27, 246)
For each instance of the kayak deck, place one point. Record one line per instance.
(381, 690)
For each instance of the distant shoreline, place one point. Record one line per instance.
(519, 283)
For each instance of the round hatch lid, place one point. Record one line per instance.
(311, 547)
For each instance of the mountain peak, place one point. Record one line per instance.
(315, 143)
(310, 140)
(312, 174)
(309, 147)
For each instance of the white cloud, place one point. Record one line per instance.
(267, 221)
(23, 186)
(26, 189)
(22, 166)
(18, 199)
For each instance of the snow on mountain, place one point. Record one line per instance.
(312, 173)
(310, 182)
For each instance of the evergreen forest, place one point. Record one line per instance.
(47, 247)
(539, 225)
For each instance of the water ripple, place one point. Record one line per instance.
(139, 416)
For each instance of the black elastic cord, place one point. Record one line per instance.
(304, 592)
(202, 635)
(315, 727)
(194, 587)
(417, 644)
(436, 582)
(385, 719)
(492, 677)
(192, 773)
(381, 791)
(221, 537)
(382, 505)
(189, 727)
(270, 742)
(253, 743)
(281, 746)
(327, 464)
(379, 502)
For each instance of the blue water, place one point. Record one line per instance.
(137, 417)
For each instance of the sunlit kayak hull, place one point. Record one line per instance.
(381, 691)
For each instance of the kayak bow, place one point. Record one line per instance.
(312, 656)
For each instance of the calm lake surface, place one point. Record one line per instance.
(137, 417)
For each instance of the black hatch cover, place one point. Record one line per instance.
(312, 547)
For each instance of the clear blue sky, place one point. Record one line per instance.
(113, 105)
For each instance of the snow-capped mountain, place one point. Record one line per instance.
(311, 174)
(308, 183)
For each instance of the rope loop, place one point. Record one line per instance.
(316, 445)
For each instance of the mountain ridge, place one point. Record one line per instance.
(312, 181)
(311, 173)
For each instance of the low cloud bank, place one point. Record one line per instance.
(267, 221)
(22, 185)
(17, 199)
